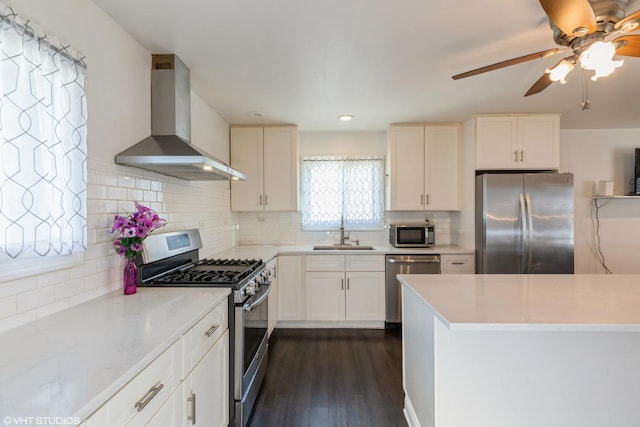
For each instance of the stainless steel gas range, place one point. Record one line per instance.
(172, 260)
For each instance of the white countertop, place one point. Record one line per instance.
(532, 302)
(70, 363)
(268, 252)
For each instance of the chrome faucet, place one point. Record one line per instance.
(343, 238)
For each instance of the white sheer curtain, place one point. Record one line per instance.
(349, 188)
(43, 137)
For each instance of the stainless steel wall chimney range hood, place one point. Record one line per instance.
(168, 150)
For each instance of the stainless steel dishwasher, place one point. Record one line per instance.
(404, 264)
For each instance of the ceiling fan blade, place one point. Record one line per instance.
(571, 16)
(540, 85)
(507, 63)
(631, 48)
(635, 16)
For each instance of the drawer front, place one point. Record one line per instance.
(203, 335)
(137, 401)
(365, 262)
(458, 264)
(324, 262)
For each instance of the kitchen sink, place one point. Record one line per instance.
(342, 247)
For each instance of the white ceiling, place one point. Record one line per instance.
(384, 61)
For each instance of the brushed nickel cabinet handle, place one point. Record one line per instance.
(211, 330)
(144, 401)
(427, 199)
(192, 417)
(347, 283)
(261, 200)
(522, 155)
(342, 284)
(266, 200)
(422, 199)
(515, 156)
(457, 263)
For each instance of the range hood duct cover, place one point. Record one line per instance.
(168, 150)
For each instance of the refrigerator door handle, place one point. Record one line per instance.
(530, 226)
(523, 220)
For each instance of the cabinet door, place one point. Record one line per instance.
(291, 299)
(496, 142)
(170, 413)
(406, 163)
(538, 138)
(281, 168)
(325, 295)
(246, 156)
(365, 296)
(206, 390)
(442, 168)
(273, 296)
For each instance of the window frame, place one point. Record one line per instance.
(339, 157)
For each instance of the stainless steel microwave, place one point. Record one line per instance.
(418, 235)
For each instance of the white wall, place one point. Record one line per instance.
(594, 155)
(285, 228)
(118, 98)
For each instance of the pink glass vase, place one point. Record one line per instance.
(130, 276)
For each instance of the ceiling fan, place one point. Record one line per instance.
(581, 27)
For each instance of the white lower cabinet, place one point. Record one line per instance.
(191, 378)
(339, 287)
(170, 413)
(206, 389)
(290, 288)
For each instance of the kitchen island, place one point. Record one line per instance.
(521, 350)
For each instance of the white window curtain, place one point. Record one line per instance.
(336, 188)
(43, 137)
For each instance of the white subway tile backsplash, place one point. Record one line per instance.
(68, 288)
(34, 299)
(112, 190)
(8, 307)
(52, 308)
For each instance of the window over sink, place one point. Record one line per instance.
(342, 188)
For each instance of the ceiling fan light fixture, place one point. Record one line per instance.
(599, 58)
(560, 71)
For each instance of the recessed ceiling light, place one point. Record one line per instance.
(345, 117)
(255, 114)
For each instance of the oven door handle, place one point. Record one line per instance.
(256, 299)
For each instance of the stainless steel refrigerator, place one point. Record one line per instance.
(524, 223)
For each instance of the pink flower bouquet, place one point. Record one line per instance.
(133, 229)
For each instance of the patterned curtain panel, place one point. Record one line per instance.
(43, 137)
(349, 188)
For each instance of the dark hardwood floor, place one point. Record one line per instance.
(332, 377)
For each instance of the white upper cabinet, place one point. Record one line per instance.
(424, 168)
(269, 158)
(518, 142)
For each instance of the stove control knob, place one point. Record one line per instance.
(251, 289)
